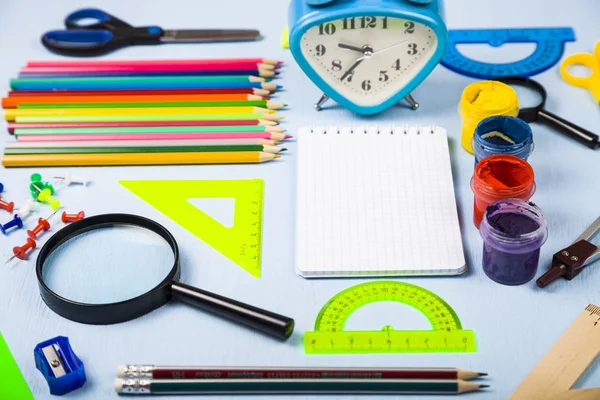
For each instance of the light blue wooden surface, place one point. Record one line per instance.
(515, 326)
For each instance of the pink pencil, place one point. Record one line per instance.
(142, 68)
(133, 124)
(129, 63)
(154, 136)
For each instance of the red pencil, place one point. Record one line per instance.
(104, 63)
(15, 93)
(154, 372)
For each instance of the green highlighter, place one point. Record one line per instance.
(13, 385)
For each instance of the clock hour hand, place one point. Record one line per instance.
(349, 47)
(352, 68)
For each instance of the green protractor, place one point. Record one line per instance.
(446, 335)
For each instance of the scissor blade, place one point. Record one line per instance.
(210, 35)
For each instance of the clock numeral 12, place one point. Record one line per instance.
(368, 22)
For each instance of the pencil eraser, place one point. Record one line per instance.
(119, 383)
(120, 371)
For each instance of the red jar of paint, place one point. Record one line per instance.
(500, 177)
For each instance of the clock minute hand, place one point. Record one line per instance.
(353, 67)
(390, 47)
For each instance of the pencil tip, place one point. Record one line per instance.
(283, 149)
(288, 136)
(482, 374)
(483, 386)
(276, 156)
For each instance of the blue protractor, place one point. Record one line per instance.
(550, 46)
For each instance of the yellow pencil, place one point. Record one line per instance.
(73, 160)
(13, 113)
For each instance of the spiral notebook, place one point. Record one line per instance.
(376, 201)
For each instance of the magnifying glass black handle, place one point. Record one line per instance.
(584, 136)
(268, 322)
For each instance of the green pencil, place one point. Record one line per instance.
(231, 103)
(138, 80)
(294, 386)
(161, 117)
(153, 149)
(149, 129)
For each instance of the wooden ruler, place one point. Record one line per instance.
(566, 361)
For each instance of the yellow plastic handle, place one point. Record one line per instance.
(592, 61)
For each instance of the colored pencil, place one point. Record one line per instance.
(167, 70)
(270, 105)
(19, 101)
(175, 82)
(151, 149)
(160, 92)
(73, 160)
(150, 117)
(10, 114)
(178, 372)
(197, 62)
(296, 386)
(153, 129)
(155, 136)
(142, 80)
(12, 126)
(141, 143)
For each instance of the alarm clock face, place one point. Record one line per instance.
(368, 59)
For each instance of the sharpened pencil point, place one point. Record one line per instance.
(276, 156)
(288, 136)
(483, 386)
(283, 149)
(482, 374)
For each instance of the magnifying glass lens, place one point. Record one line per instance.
(528, 97)
(108, 265)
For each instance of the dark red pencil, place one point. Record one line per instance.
(155, 372)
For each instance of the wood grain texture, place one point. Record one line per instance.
(562, 366)
(515, 326)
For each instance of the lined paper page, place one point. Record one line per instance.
(376, 201)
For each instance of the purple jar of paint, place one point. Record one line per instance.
(513, 231)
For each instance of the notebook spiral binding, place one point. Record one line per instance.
(374, 129)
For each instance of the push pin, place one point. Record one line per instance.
(66, 218)
(15, 222)
(36, 187)
(27, 208)
(68, 179)
(59, 365)
(42, 226)
(1, 187)
(8, 206)
(45, 196)
(20, 252)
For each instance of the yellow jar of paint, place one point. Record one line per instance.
(481, 100)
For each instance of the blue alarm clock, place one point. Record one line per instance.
(367, 54)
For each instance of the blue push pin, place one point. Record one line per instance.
(15, 222)
(1, 187)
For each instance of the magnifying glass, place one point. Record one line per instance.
(113, 268)
(532, 100)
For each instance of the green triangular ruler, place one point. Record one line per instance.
(240, 243)
(12, 383)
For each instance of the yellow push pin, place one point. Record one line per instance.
(45, 196)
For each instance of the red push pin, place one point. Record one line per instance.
(7, 206)
(72, 217)
(43, 225)
(20, 252)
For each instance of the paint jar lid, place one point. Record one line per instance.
(503, 135)
(514, 226)
(503, 176)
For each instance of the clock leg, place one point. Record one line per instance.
(413, 104)
(321, 101)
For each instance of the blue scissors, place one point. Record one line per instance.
(109, 33)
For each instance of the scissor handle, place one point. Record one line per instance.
(586, 60)
(103, 20)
